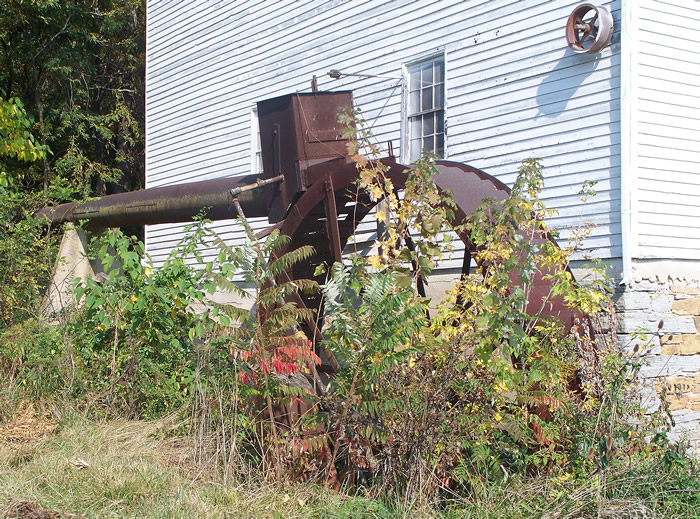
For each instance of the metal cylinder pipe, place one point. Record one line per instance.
(168, 204)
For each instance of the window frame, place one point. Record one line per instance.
(407, 114)
(255, 143)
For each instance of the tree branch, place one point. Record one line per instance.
(63, 30)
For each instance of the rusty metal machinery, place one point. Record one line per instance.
(589, 28)
(308, 192)
(169, 204)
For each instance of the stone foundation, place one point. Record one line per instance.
(662, 321)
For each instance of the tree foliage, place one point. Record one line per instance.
(71, 123)
(77, 66)
(16, 141)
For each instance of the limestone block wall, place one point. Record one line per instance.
(669, 313)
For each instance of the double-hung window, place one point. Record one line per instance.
(425, 114)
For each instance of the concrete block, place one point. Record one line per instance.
(681, 385)
(684, 289)
(686, 421)
(677, 324)
(670, 365)
(72, 263)
(684, 403)
(645, 285)
(637, 321)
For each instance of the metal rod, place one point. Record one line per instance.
(258, 183)
(239, 210)
(337, 74)
(332, 230)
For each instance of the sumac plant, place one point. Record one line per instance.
(485, 388)
(272, 354)
(374, 326)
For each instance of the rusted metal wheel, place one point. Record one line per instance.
(589, 28)
(328, 213)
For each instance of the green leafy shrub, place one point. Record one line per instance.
(374, 324)
(491, 388)
(454, 398)
(136, 331)
(27, 253)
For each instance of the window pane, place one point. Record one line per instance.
(427, 73)
(416, 127)
(258, 162)
(439, 97)
(414, 79)
(426, 99)
(428, 124)
(440, 146)
(415, 149)
(414, 102)
(439, 71)
(425, 113)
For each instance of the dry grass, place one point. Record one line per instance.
(137, 469)
(26, 426)
(143, 469)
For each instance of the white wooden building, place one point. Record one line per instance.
(504, 86)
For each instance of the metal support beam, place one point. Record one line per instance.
(332, 230)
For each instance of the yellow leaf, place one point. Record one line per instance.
(375, 261)
(381, 216)
(352, 147)
(366, 176)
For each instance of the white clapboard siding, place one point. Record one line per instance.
(513, 91)
(667, 216)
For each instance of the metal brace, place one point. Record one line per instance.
(259, 183)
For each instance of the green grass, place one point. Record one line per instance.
(123, 469)
(140, 469)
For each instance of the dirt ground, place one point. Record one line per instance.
(23, 431)
(26, 510)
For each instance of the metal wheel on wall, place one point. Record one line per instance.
(329, 211)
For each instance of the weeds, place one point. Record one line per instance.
(487, 408)
(143, 469)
